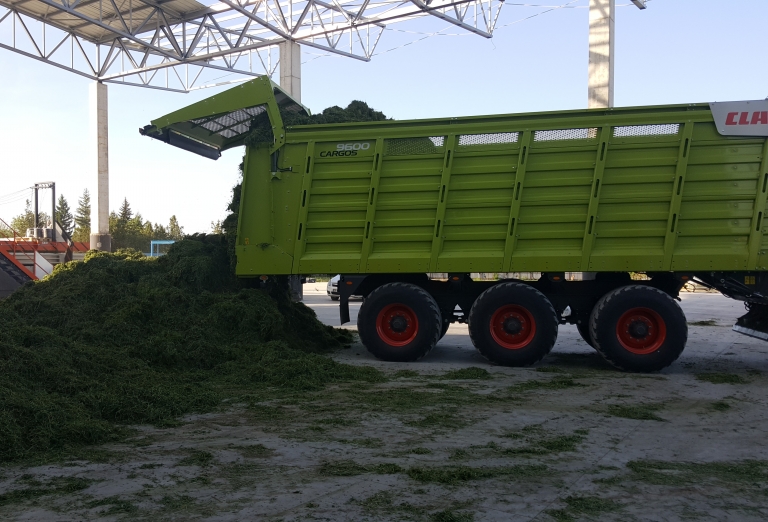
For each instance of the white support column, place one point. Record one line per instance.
(601, 38)
(290, 69)
(100, 238)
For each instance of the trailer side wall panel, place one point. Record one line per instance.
(648, 189)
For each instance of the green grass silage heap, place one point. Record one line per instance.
(122, 339)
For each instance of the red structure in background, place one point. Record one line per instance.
(19, 253)
(10, 255)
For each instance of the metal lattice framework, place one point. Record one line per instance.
(169, 44)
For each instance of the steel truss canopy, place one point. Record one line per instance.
(170, 44)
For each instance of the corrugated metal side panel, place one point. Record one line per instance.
(406, 208)
(668, 195)
(554, 203)
(722, 204)
(635, 201)
(477, 206)
(337, 200)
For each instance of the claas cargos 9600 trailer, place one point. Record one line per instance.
(676, 193)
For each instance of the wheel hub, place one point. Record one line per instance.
(398, 324)
(512, 325)
(639, 329)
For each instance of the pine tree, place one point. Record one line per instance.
(64, 215)
(216, 227)
(125, 213)
(175, 231)
(115, 230)
(159, 232)
(83, 218)
(148, 230)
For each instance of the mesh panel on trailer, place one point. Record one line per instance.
(210, 125)
(409, 146)
(565, 134)
(497, 138)
(231, 124)
(646, 130)
(235, 131)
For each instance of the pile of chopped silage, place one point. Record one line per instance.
(356, 112)
(122, 339)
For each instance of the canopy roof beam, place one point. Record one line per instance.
(129, 41)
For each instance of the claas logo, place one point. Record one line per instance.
(747, 118)
(741, 118)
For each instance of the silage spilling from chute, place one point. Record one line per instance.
(123, 339)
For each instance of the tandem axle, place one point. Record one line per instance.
(636, 325)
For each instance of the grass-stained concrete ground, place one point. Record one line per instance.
(449, 438)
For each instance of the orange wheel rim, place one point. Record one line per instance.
(397, 324)
(513, 327)
(641, 330)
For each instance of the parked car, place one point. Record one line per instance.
(333, 288)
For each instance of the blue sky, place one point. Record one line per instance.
(676, 51)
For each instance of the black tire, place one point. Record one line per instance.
(399, 322)
(638, 328)
(335, 297)
(583, 328)
(513, 324)
(444, 328)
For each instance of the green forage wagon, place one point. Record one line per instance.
(675, 192)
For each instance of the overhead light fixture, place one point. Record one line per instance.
(640, 3)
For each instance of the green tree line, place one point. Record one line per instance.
(128, 230)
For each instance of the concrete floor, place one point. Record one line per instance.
(568, 439)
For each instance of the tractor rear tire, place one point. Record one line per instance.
(638, 328)
(513, 324)
(399, 322)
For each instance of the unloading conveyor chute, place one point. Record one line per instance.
(224, 120)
